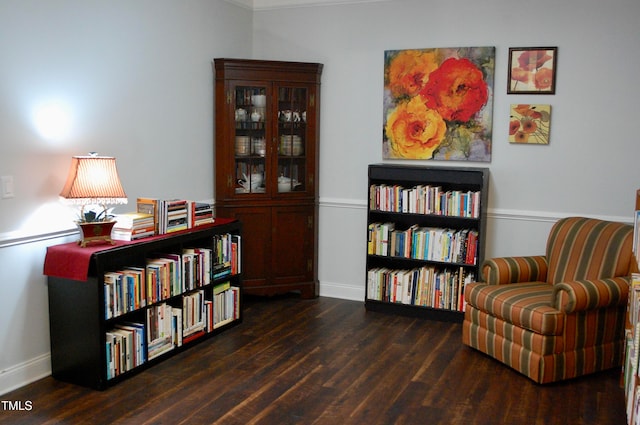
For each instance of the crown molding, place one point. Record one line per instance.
(282, 4)
(245, 4)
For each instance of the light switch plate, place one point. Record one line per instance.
(7, 187)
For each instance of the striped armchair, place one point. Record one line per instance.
(560, 315)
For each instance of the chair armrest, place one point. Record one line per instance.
(581, 295)
(504, 270)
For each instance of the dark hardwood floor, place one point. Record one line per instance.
(326, 361)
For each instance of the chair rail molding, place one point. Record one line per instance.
(8, 239)
(492, 213)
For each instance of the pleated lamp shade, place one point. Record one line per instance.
(93, 180)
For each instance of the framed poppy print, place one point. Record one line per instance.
(530, 124)
(532, 70)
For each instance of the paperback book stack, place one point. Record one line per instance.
(133, 225)
(193, 316)
(164, 329)
(124, 291)
(125, 345)
(226, 255)
(200, 213)
(173, 215)
(226, 299)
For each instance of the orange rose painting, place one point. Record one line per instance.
(532, 70)
(530, 124)
(438, 104)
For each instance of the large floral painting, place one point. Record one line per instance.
(438, 103)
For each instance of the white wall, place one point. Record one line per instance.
(137, 78)
(589, 168)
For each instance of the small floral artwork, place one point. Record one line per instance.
(438, 104)
(530, 124)
(532, 70)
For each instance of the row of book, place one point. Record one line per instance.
(201, 315)
(225, 306)
(193, 316)
(424, 199)
(125, 348)
(170, 327)
(423, 243)
(166, 327)
(170, 274)
(227, 255)
(632, 352)
(423, 286)
(158, 216)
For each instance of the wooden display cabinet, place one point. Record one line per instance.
(266, 164)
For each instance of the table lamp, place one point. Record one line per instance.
(93, 180)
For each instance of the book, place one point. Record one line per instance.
(149, 206)
(176, 326)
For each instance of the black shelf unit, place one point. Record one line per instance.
(78, 324)
(463, 179)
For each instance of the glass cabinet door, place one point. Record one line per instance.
(292, 139)
(250, 139)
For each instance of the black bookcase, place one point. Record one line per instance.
(78, 318)
(410, 207)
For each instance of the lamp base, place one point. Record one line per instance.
(96, 233)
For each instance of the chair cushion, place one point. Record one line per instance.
(527, 305)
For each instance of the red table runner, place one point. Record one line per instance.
(71, 261)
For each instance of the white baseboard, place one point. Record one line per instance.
(25, 373)
(342, 291)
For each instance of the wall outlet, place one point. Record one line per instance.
(7, 187)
